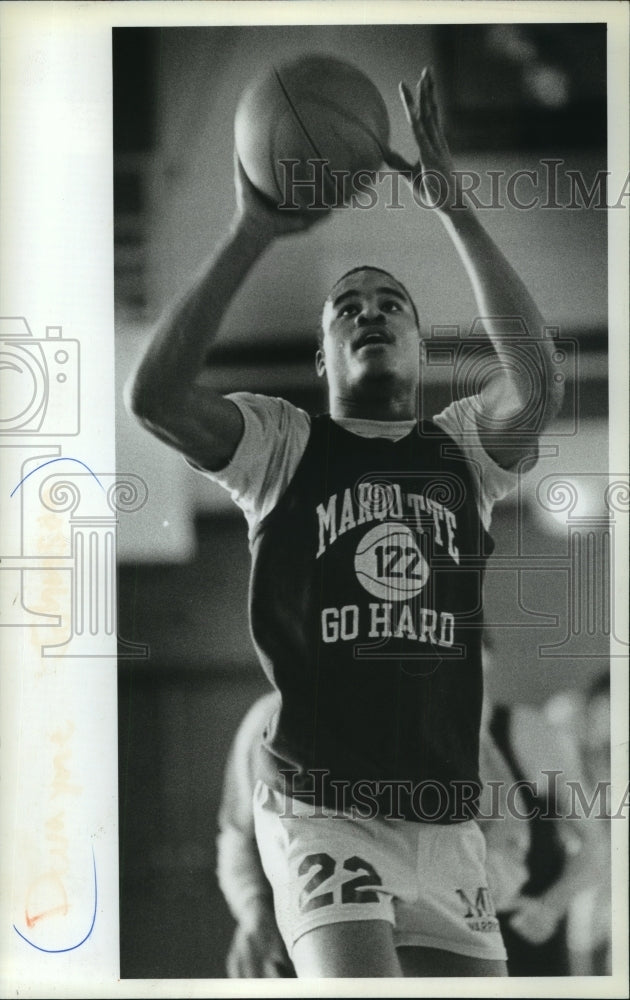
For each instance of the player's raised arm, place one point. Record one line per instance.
(164, 394)
(519, 396)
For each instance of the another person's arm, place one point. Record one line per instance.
(507, 837)
(257, 950)
(548, 755)
(519, 396)
(536, 918)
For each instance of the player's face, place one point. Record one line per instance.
(370, 334)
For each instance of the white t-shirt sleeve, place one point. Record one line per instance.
(492, 483)
(274, 438)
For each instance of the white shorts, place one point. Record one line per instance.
(426, 879)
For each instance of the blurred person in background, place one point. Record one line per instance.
(589, 930)
(560, 922)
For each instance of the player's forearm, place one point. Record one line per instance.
(523, 394)
(501, 297)
(240, 874)
(176, 354)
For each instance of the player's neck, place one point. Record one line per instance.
(371, 407)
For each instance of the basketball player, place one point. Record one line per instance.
(369, 534)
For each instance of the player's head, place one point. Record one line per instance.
(359, 271)
(370, 333)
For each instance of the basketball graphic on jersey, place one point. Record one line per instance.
(389, 564)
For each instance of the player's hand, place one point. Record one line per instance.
(261, 217)
(257, 950)
(432, 175)
(535, 920)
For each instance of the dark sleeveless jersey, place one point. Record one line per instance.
(366, 612)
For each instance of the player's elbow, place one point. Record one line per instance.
(160, 421)
(133, 398)
(139, 403)
(533, 407)
(144, 402)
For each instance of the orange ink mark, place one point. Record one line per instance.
(46, 898)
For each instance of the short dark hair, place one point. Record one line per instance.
(368, 267)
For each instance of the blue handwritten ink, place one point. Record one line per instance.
(73, 947)
(62, 458)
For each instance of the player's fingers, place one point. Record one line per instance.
(407, 102)
(433, 122)
(413, 115)
(421, 83)
(433, 105)
(428, 112)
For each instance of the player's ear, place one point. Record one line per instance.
(320, 362)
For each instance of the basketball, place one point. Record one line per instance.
(313, 108)
(389, 564)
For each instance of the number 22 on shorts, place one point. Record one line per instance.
(353, 890)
